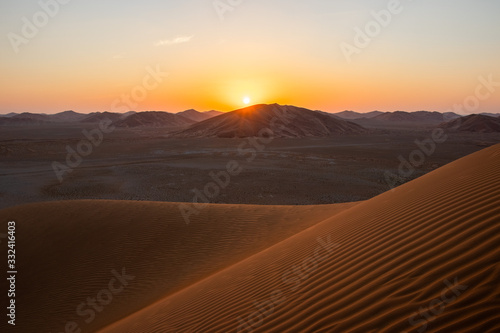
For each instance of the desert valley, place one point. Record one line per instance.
(299, 157)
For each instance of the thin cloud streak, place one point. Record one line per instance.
(177, 40)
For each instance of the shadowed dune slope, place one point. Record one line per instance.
(381, 266)
(66, 252)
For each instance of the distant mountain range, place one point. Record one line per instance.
(350, 115)
(154, 119)
(165, 119)
(300, 122)
(419, 116)
(97, 117)
(401, 119)
(128, 119)
(400, 116)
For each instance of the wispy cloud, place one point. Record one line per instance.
(177, 40)
(119, 56)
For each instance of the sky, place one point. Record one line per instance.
(329, 55)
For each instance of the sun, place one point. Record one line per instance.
(246, 100)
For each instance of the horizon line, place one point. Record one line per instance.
(175, 112)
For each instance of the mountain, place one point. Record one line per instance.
(31, 117)
(403, 119)
(418, 116)
(402, 116)
(496, 115)
(429, 117)
(97, 117)
(397, 116)
(62, 117)
(66, 116)
(474, 123)
(126, 114)
(24, 119)
(199, 116)
(447, 116)
(213, 113)
(154, 119)
(262, 119)
(350, 115)
(8, 115)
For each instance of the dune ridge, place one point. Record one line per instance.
(397, 254)
(67, 251)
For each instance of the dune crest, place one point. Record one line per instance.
(69, 251)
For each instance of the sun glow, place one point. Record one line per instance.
(246, 100)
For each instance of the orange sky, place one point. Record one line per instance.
(90, 55)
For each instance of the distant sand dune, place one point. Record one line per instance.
(398, 254)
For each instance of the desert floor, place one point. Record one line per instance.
(144, 164)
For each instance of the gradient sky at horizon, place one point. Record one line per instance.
(274, 51)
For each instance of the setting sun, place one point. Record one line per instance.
(246, 100)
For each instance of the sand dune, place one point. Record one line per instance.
(382, 266)
(67, 251)
(377, 266)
